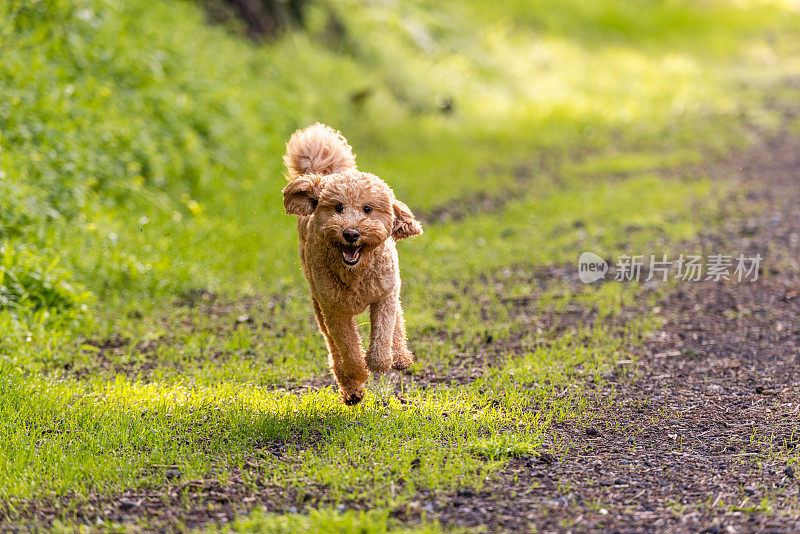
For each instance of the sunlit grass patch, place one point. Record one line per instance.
(102, 437)
(82, 438)
(96, 436)
(324, 521)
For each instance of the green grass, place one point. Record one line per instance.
(151, 305)
(324, 521)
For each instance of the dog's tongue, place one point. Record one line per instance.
(350, 253)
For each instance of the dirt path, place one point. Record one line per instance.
(706, 436)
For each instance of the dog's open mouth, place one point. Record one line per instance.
(351, 254)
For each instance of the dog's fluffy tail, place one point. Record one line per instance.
(318, 149)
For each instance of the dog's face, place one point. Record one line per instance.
(352, 211)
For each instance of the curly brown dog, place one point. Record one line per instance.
(348, 223)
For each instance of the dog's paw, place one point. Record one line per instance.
(401, 366)
(402, 359)
(378, 361)
(351, 398)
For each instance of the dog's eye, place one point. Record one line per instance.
(367, 209)
(339, 208)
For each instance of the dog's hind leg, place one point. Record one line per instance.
(382, 316)
(401, 356)
(348, 359)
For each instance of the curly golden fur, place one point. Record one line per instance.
(348, 223)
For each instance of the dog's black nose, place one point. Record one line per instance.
(351, 235)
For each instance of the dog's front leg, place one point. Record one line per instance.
(382, 316)
(402, 357)
(348, 360)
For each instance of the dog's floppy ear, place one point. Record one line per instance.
(300, 197)
(405, 225)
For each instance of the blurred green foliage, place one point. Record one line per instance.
(27, 282)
